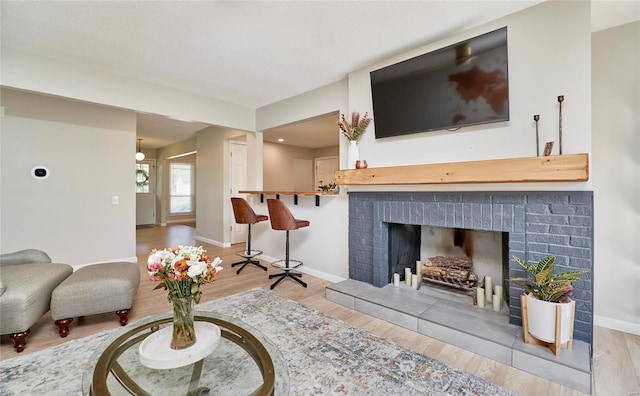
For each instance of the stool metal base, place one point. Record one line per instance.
(248, 255)
(287, 272)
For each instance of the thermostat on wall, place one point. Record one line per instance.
(40, 172)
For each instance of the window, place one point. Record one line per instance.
(142, 178)
(182, 188)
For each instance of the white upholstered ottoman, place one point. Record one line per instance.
(95, 289)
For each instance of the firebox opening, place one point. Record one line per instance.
(459, 259)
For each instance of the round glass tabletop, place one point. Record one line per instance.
(244, 363)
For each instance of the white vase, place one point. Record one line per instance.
(353, 154)
(542, 319)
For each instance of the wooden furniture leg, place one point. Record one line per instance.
(123, 315)
(19, 340)
(63, 326)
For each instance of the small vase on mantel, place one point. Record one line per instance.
(184, 334)
(353, 154)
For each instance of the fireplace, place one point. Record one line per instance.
(531, 225)
(456, 260)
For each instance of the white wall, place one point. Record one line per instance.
(549, 55)
(323, 246)
(278, 168)
(56, 77)
(616, 176)
(213, 210)
(89, 151)
(310, 104)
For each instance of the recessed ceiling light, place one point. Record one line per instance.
(281, 140)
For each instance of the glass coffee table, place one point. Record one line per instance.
(244, 362)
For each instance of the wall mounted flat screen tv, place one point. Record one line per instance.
(460, 85)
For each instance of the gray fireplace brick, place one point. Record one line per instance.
(516, 237)
(539, 209)
(477, 198)
(457, 215)
(509, 198)
(487, 216)
(476, 216)
(548, 238)
(569, 251)
(416, 210)
(496, 220)
(538, 228)
(441, 217)
(582, 263)
(507, 218)
(516, 247)
(578, 198)
(449, 198)
(431, 213)
(580, 242)
(571, 230)
(537, 247)
(548, 219)
(584, 221)
(548, 198)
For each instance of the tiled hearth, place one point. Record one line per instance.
(481, 331)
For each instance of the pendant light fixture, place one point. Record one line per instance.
(139, 154)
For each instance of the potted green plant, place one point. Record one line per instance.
(545, 291)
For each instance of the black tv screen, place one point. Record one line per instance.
(464, 84)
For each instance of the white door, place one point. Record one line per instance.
(145, 192)
(238, 182)
(325, 168)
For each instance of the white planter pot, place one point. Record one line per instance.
(542, 320)
(353, 154)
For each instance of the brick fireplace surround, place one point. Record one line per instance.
(537, 224)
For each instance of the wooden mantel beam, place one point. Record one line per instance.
(557, 168)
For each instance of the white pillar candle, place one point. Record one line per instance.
(498, 290)
(414, 281)
(407, 276)
(419, 268)
(480, 297)
(396, 279)
(488, 286)
(497, 302)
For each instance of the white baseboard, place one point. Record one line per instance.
(615, 324)
(307, 270)
(213, 242)
(185, 220)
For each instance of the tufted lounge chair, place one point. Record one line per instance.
(27, 279)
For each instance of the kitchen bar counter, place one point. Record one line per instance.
(295, 194)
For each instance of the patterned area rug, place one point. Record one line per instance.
(324, 355)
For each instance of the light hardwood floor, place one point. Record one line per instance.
(616, 360)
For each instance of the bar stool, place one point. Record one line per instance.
(245, 215)
(282, 219)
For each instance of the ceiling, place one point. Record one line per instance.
(251, 53)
